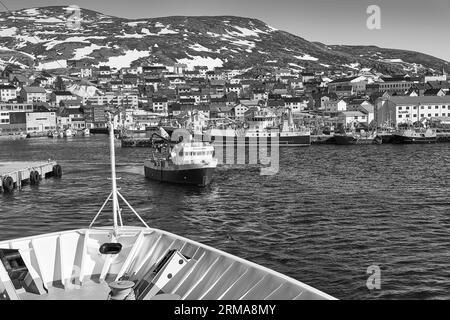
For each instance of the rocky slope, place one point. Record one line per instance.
(40, 38)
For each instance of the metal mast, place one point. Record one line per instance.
(115, 194)
(113, 169)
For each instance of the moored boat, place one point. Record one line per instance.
(125, 263)
(68, 133)
(261, 128)
(414, 136)
(351, 138)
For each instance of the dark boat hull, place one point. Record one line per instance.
(283, 141)
(399, 139)
(344, 140)
(193, 176)
(385, 138)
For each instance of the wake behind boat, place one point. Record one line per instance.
(127, 263)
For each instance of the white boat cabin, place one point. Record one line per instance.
(193, 153)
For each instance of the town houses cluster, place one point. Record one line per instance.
(76, 97)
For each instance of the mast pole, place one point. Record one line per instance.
(113, 169)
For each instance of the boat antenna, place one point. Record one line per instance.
(115, 194)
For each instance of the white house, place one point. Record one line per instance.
(335, 105)
(7, 92)
(33, 94)
(240, 110)
(349, 118)
(296, 104)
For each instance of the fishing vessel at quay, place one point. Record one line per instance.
(414, 136)
(351, 138)
(126, 262)
(261, 127)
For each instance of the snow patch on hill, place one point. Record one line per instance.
(8, 32)
(81, 53)
(201, 61)
(49, 20)
(199, 47)
(83, 90)
(306, 57)
(124, 61)
(167, 31)
(31, 11)
(57, 64)
(147, 32)
(245, 32)
(135, 23)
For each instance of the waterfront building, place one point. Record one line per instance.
(40, 122)
(70, 118)
(395, 110)
(95, 116)
(352, 118)
(368, 109)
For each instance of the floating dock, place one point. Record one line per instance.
(15, 174)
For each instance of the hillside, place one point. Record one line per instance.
(39, 38)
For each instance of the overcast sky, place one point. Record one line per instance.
(405, 24)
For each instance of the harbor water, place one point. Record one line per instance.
(329, 214)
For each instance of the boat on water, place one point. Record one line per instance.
(68, 133)
(128, 262)
(414, 136)
(261, 127)
(17, 136)
(85, 132)
(352, 138)
(185, 162)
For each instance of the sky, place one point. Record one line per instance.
(405, 24)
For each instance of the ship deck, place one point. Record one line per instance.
(90, 290)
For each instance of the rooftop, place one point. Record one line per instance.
(402, 100)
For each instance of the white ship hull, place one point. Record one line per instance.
(250, 137)
(69, 265)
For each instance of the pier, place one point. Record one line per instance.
(15, 174)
